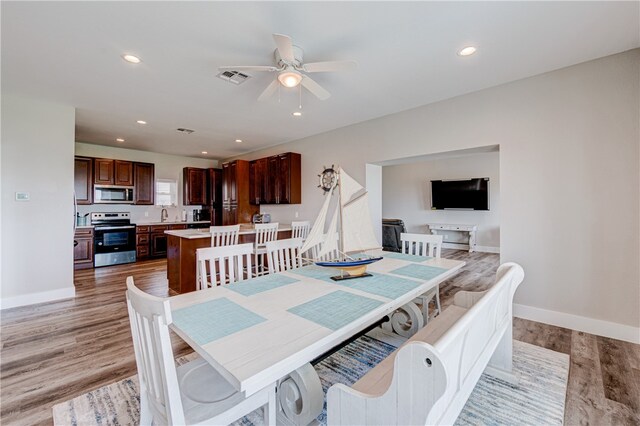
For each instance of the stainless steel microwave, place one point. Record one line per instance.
(110, 194)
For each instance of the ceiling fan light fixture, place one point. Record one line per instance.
(289, 78)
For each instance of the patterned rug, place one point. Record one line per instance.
(538, 399)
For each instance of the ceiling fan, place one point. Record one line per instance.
(292, 70)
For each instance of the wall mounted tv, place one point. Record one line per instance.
(468, 194)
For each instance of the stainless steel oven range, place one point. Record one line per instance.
(114, 239)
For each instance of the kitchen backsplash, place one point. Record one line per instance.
(140, 214)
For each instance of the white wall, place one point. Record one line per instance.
(37, 235)
(406, 195)
(569, 171)
(166, 167)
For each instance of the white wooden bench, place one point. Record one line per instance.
(430, 377)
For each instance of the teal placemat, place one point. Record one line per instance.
(260, 284)
(409, 257)
(335, 310)
(212, 320)
(382, 285)
(422, 272)
(317, 272)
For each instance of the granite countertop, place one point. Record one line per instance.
(191, 234)
(175, 222)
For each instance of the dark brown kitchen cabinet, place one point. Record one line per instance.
(258, 181)
(103, 171)
(236, 206)
(83, 180)
(113, 172)
(277, 180)
(83, 251)
(230, 182)
(144, 190)
(214, 187)
(194, 183)
(123, 173)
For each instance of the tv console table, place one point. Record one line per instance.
(469, 229)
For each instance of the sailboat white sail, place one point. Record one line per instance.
(316, 235)
(355, 230)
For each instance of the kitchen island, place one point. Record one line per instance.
(181, 252)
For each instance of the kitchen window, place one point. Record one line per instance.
(166, 192)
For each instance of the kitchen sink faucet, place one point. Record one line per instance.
(164, 215)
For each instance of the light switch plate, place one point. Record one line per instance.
(22, 196)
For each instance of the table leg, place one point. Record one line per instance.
(405, 321)
(300, 397)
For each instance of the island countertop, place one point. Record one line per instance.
(245, 229)
(182, 246)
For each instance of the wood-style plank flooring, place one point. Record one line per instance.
(55, 351)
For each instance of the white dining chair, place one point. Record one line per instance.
(421, 244)
(193, 393)
(300, 229)
(265, 232)
(231, 262)
(283, 255)
(424, 245)
(224, 235)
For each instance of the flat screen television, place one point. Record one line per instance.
(468, 194)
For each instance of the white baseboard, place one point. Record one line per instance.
(33, 298)
(598, 327)
(482, 249)
(487, 249)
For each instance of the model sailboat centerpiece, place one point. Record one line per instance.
(350, 231)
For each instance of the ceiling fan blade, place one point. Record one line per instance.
(249, 68)
(330, 66)
(269, 91)
(285, 47)
(309, 84)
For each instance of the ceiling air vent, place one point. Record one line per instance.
(185, 131)
(235, 77)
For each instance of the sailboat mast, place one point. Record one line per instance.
(340, 207)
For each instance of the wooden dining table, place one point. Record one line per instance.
(265, 331)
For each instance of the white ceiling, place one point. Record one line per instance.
(70, 53)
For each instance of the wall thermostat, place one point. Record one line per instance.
(22, 196)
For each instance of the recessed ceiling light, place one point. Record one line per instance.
(204, 152)
(297, 114)
(131, 58)
(141, 122)
(238, 140)
(467, 51)
(119, 140)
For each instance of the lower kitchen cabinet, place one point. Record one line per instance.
(151, 241)
(83, 251)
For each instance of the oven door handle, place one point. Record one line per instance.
(109, 228)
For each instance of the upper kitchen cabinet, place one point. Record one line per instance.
(276, 180)
(194, 183)
(83, 180)
(230, 182)
(144, 178)
(258, 181)
(123, 174)
(113, 172)
(214, 185)
(103, 171)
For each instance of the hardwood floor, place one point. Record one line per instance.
(55, 351)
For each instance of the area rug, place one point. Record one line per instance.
(537, 399)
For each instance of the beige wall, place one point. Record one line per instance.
(37, 235)
(406, 195)
(166, 167)
(569, 163)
